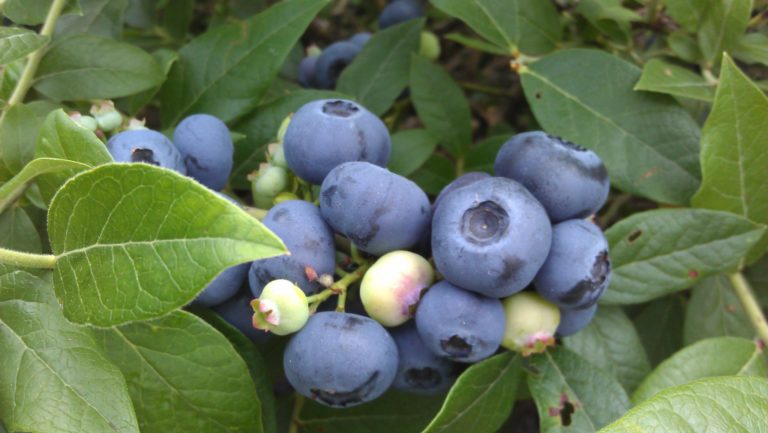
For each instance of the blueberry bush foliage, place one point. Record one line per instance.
(99, 261)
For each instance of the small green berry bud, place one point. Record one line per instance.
(107, 116)
(271, 180)
(277, 155)
(135, 124)
(282, 308)
(86, 122)
(313, 51)
(531, 322)
(429, 46)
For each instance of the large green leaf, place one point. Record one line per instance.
(721, 404)
(664, 77)
(15, 187)
(658, 252)
(261, 127)
(99, 17)
(63, 138)
(572, 395)
(18, 130)
(714, 310)
(530, 26)
(660, 327)
(410, 149)
(722, 26)
(225, 71)
(183, 376)
(31, 12)
(687, 13)
(648, 143)
(93, 67)
(611, 342)
(609, 17)
(131, 105)
(16, 43)
(481, 399)
(441, 105)
(724, 356)
(752, 48)
(135, 241)
(53, 376)
(434, 174)
(18, 232)
(380, 72)
(734, 151)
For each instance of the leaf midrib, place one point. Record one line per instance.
(152, 243)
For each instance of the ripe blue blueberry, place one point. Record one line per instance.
(460, 182)
(490, 237)
(460, 325)
(419, 370)
(332, 62)
(341, 359)
(360, 39)
(206, 146)
(578, 269)
(574, 320)
(327, 132)
(147, 146)
(309, 239)
(569, 181)
(379, 211)
(237, 311)
(307, 71)
(400, 11)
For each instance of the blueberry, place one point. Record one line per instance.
(281, 308)
(327, 132)
(147, 146)
(490, 237)
(578, 269)
(460, 182)
(237, 311)
(332, 62)
(341, 359)
(530, 323)
(400, 11)
(569, 181)
(460, 325)
(574, 320)
(207, 149)
(419, 370)
(307, 71)
(360, 39)
(308, 238)
(379, 211)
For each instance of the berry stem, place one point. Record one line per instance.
(298, 404)
(27, 260)
(338, 288)
(747, 297)
(25, 81)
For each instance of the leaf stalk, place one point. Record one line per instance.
(747, 297)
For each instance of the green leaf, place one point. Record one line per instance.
(752, 48)
(531, 26)
(714, 310)
(392, 412)
(483, 154)
(225, 71)
(16, 43)
(724, 356)
(9, 77)
(611, 343)
(757, 275)
(663, 77)
(608, 16)
(722, 26)
(651, 131)
(134, 103)
(659, 252)
(441, 105)
(380, 72)
(99, 17)
(476, 44)
(14, 188)
(93, 67)
(32, 12)
(734, 151)
(135, 241)
(17, 232)
(18, 131)
(183, 376)
(572, 395)
(53, 376)
(684, 46)
(411, 148)
(177, 16)
(481, 399)
(261, 128)
(434, 175)
(687, 13)
(721, 404)
(660, 327)
(63, 138)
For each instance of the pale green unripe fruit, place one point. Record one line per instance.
(86, 122)
(429, 46)
(107, 116)
(271, 181)
(392, 287)
(282, 308)
(531, 322)
(277, 155)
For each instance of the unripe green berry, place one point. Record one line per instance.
(107, 116)
(282, 308)
(271, 180)
(86, 122)
(429, 46)
(135, 124)
(531, 322)
(277, 155)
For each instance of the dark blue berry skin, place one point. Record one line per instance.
(379, 211)
(147, 146)
(328, 132)
(459, 182)
(341, 359)
(360, 39)
(568, 180)
(578, 269)
(206, 146)
(400, 11)
(460, 325)
(307, 71)
(574, 320)
(490, 237)
(237, 311)
(309, 239)
(332, 62)
(419, 370)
